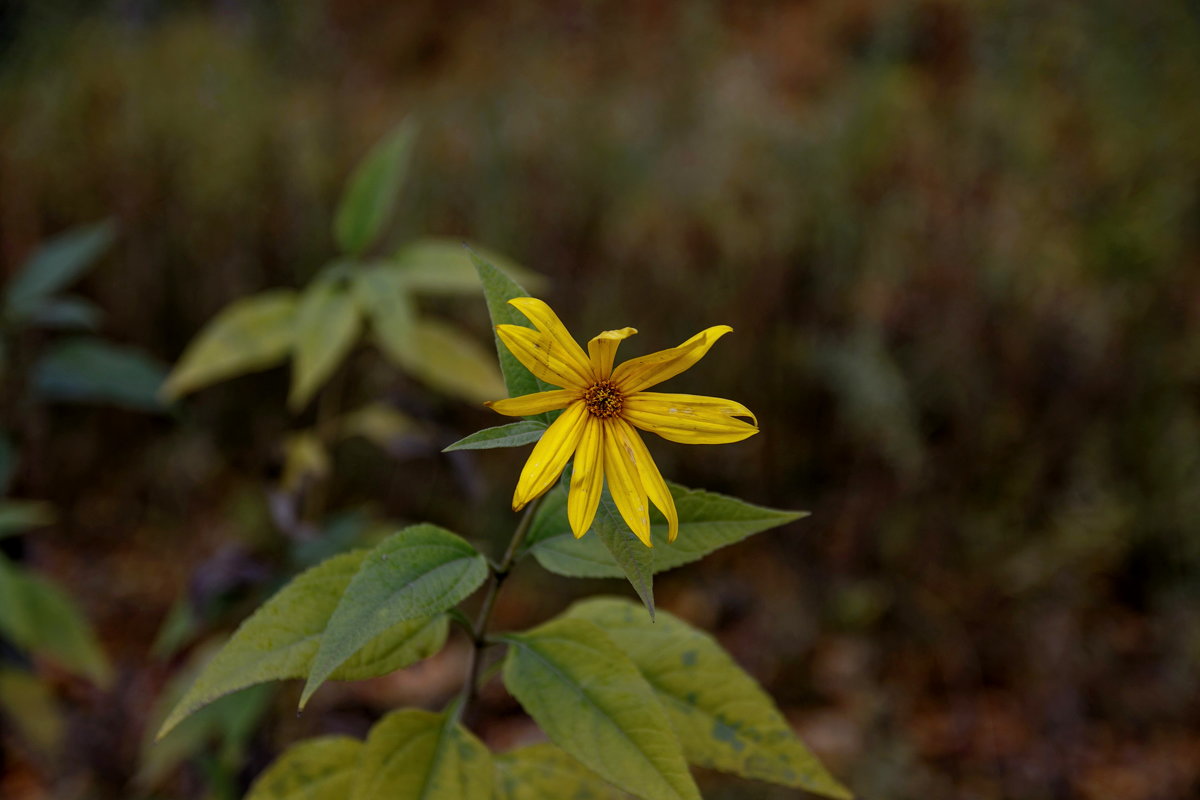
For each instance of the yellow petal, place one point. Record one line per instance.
(689, 418)
(625, 482)
(587, 479)
(541, 356)
(652, 479)
(546, 321)
(637, 374)
(550, 455)
(529, 404)
(603, 349)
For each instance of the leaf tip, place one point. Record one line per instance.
(647, 598)
(297, 399)
(316, 677)
(307, 693)
(170, 390)
(173, 719)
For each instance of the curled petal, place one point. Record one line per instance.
(625, 481)
(542, 356)
(550, 455)
(603, 349)
(652, 479)
(641, 373)
(529, 404)
(587, 479)
(547, 322)
(689, 418)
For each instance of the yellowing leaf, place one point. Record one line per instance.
(417, 755)
(544, 772)
(377, 423)
(304, 457)
(437, 266)
(594, 704)
(327, 323)
(281, 639)
(250, 334)
(382, 294)
(722, 717)
(315, 769)
(451, 362)
(27, 704)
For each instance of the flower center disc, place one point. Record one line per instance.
(602, 400)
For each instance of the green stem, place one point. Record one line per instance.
(479, 631)
(329, 406)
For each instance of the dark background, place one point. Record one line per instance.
(957, 242)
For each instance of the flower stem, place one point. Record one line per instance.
(479, 630)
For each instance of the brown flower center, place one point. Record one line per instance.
(603, 400)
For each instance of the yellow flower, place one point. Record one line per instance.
(603, 406)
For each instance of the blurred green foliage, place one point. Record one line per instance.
(958, 243)
(39, 620)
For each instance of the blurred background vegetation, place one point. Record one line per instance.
(959, 244)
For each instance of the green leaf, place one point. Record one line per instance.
(370, 196)
(723, 718)
(420, 571)
(436, 266)
(248, 335)
(514, 434)
(547, 522)
(305, 459)
(418, 755)
(28, 705)
(498, 289)
(230, 720)
(66, 313)
(21, 515)
(93, 371)
(56, 265)
(381, 293)
(451, 362)
(315, 769)
(281, 639)
(377, 423)
(38, 616)
(432, 351)
(544, 772)
(402, 645)
(628, 551)
(180, 625)
(327, 324)
(707, 522)
(594, 704)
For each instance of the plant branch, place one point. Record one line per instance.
(479, 630)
